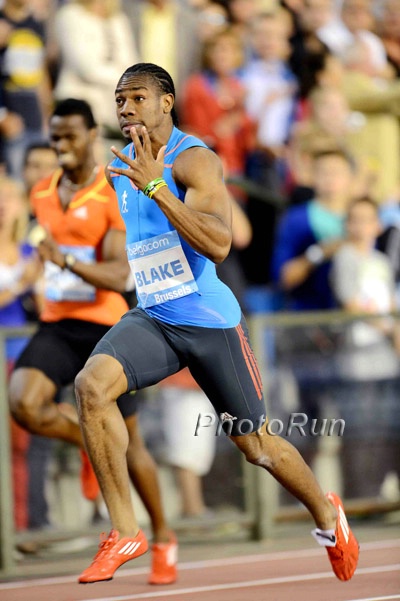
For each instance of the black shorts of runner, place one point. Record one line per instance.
(220, 360)
(61, 349)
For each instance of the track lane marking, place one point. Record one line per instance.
(245, 584)
(204, 563)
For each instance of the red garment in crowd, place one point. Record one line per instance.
(214, 111)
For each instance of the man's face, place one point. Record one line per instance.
(72, 140)
(40, 163)
(139, 103)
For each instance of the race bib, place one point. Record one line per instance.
(160, 269)
(62, 284)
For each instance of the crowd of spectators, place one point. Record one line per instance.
(299, 98)
(266, 83)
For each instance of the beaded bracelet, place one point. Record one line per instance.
(153, 186)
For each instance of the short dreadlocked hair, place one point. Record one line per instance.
(161, 78)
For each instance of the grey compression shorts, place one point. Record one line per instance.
(220, 360)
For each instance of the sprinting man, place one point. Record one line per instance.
(85, 271)
(176, 210)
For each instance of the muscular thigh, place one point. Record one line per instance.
(138, 343)
(223, 364)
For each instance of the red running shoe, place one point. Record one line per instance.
(342, 546)
(163, 562)
(113, 552)
(89, 485)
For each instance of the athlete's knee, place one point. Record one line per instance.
(87, 390)
(25, 408)
(259, 449)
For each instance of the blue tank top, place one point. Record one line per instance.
(190, 292)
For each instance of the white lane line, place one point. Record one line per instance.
(205, 563)
(246, 584)
(388, 598)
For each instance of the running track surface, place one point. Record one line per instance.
(298, 575)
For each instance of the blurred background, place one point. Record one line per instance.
(301, 101)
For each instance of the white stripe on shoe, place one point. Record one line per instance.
(344, 524)
(129, 548)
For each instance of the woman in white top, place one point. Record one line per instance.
(96, 45)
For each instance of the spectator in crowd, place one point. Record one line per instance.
(243, 13)
(213, 105)
(212, 17)
(270, 100)
(389, 30)
(363, 90)
(371, 139)
(309, 234)
(11, 128)
(304, 38)
(318, 69)
(40, 161)
(25, 85)
(368, 363)
(19, 271)
(316, 16)
(167, 35)
(85, 271)
(307, 237)
(96, 42)
(388, 240)
(322, 18)
(359, 23)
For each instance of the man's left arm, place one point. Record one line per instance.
(204, 219)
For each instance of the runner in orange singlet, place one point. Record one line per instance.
(86, 271)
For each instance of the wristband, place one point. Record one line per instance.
(153, 186)
(157, 187)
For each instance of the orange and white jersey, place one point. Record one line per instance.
(79, 229)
